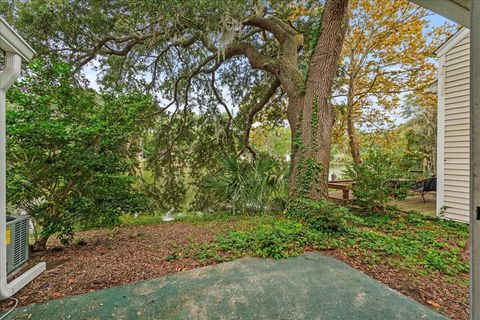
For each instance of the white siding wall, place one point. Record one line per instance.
(456, 129)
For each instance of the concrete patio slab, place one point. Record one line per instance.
(416, 203)
(311, 286)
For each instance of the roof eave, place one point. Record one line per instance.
(11, 41)
(449, 9)
(452, 41)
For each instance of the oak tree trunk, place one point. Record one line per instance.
(314, 115)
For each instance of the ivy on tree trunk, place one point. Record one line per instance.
(314, 114)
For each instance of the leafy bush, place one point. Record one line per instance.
(378, 180)
(244, 185)
(72, 160)
(105, 203)
(321, 215)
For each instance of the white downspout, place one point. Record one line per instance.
(7, 77)
(440, 201)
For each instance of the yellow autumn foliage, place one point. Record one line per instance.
(388, 52)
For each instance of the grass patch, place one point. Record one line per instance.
(414, 241)
(209, 216)
(140, 220)
(151, 219)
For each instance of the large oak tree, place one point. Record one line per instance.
(185, 51)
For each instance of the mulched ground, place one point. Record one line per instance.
(105, 258)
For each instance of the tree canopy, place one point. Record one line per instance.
(210, 55)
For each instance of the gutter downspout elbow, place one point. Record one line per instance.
(11, 72)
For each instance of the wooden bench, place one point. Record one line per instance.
(344, 185)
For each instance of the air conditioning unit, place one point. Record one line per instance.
(17, 241)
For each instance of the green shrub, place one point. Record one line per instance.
(72, 159)
(378, 181)
(321, 215)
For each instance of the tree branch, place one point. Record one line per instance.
(251, 115)
(220, 100)
(268, 24)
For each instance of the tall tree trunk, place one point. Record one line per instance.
(312, 132)
(352, 138)
(352, 135)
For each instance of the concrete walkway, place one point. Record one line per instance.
(311, 286)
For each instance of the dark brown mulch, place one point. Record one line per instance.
(450, 299)
(105, 258)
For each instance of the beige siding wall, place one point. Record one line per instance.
(457, 124)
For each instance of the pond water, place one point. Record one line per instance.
(171, 215)
(337, 169)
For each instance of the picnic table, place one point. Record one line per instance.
(344, 185)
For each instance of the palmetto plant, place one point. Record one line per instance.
(245, 186)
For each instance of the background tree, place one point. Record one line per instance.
(184, 52)
(387, 52)
(420, 132)
(71, 160)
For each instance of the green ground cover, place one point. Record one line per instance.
(402, 240)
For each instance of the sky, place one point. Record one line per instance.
(437, 20)
(91, 75)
